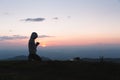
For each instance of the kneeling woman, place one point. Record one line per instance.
(33, 48)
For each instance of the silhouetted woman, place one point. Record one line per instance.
(33, 48)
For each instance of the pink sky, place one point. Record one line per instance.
(60, 22)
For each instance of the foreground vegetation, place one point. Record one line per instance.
(59, 70)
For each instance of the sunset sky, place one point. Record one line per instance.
(60, 22)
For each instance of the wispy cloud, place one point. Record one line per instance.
(5, 13)
(19, 37)
(68, 17)
(33, 19)
(3, 38)
(45, 36)
(55, 18)
(40, 19)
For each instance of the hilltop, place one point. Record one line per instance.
(59, 70)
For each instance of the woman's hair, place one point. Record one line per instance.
(34, 35)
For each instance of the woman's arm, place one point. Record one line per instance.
(37, 43)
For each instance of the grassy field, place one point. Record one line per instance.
(58, 70)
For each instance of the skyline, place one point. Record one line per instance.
(60, 22)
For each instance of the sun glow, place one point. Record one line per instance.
(44, 45)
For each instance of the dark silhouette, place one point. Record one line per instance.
(33, 48)
(101, 58)
(76, 59)
(59, 70)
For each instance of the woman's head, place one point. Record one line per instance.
(34, 35)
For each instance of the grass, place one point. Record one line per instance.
(58, 70)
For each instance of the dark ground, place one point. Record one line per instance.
(59, 70)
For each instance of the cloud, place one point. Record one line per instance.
(19, 37)
(34, 19)
(55, 18)
(5, 13)
(68, 17)
(45, 36)
(4, 38)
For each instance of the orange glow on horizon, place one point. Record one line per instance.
(66, 42)
(82, 42)
(43, 45)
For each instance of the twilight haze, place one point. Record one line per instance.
(60, 23)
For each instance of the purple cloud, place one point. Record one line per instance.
(55, 18)
(14, 37)
(3, 38)
(45, 36)
(34, 19)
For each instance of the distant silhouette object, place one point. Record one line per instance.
(33, 48)
(101, 58)
(76, 59)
